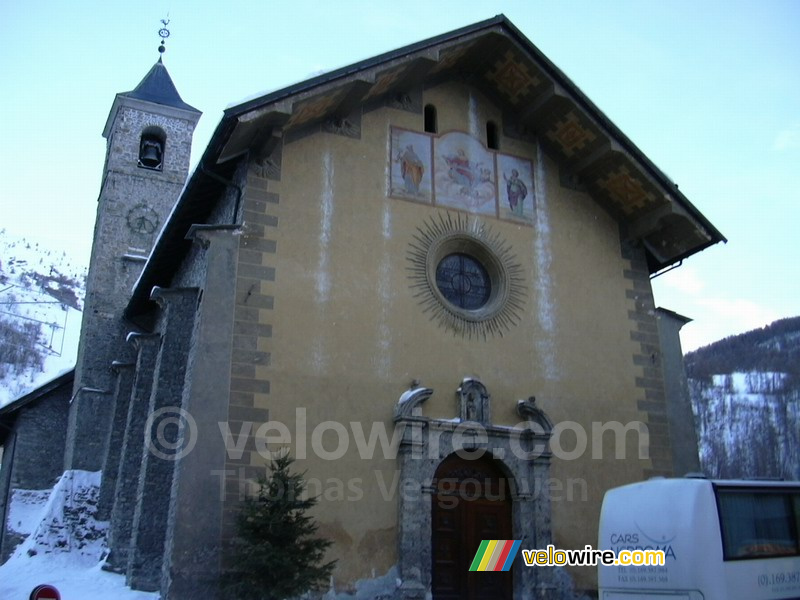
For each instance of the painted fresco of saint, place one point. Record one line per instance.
(410, 166)
(516, 191)
(517, 197)
(411, 170)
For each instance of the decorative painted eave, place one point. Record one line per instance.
(539, 102)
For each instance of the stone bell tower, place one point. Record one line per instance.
(149, 137)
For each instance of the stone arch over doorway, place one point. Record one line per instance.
(521, 453)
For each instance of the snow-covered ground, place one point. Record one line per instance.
(40, 285)
(73, 581)
(65, 547)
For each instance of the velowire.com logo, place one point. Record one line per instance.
(495, 555)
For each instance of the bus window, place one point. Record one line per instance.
(758, 524)
(796, 498)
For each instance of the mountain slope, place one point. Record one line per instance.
(745, 393)
(41, 299)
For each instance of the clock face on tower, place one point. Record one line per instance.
(142, 219)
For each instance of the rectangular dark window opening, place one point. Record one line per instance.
(431, 126)
(492, 138)
(759, 524)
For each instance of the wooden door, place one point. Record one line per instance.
(471, 504)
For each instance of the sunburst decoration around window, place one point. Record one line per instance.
(466, 277)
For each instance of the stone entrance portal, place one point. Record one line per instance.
(514, 458)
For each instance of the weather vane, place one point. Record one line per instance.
(164, 34)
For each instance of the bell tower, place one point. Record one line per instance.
(149, 136)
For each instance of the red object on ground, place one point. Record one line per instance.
(45, 592)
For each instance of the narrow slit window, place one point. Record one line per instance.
(492, 140)
(431, 126)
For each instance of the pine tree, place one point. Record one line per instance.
(277, 555)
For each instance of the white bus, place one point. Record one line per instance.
(723, 540)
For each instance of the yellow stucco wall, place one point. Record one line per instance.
(348, 335)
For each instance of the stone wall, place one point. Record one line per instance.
(32, 456)
(133, 205)
(682, 433)
(252, 333)
(652, 400)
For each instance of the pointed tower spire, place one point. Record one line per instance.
(157, 87)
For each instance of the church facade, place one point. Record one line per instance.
(426, 276)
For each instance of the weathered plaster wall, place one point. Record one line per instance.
(328, 325)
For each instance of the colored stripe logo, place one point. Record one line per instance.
(495, 555)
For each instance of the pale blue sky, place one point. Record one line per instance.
(710, 91)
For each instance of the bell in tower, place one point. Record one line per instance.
(151, 150)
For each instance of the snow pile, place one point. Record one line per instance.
(66, 547)
(41, 302)
(26, 510)
(67, 522)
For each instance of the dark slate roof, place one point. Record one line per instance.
(61, 380)
(157, 87)
(9, 412)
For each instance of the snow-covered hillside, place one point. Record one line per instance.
(41, 299)
(745, 393)
(748, 425)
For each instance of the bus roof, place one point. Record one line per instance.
(743, 483)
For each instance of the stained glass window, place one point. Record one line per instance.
(463, 281)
